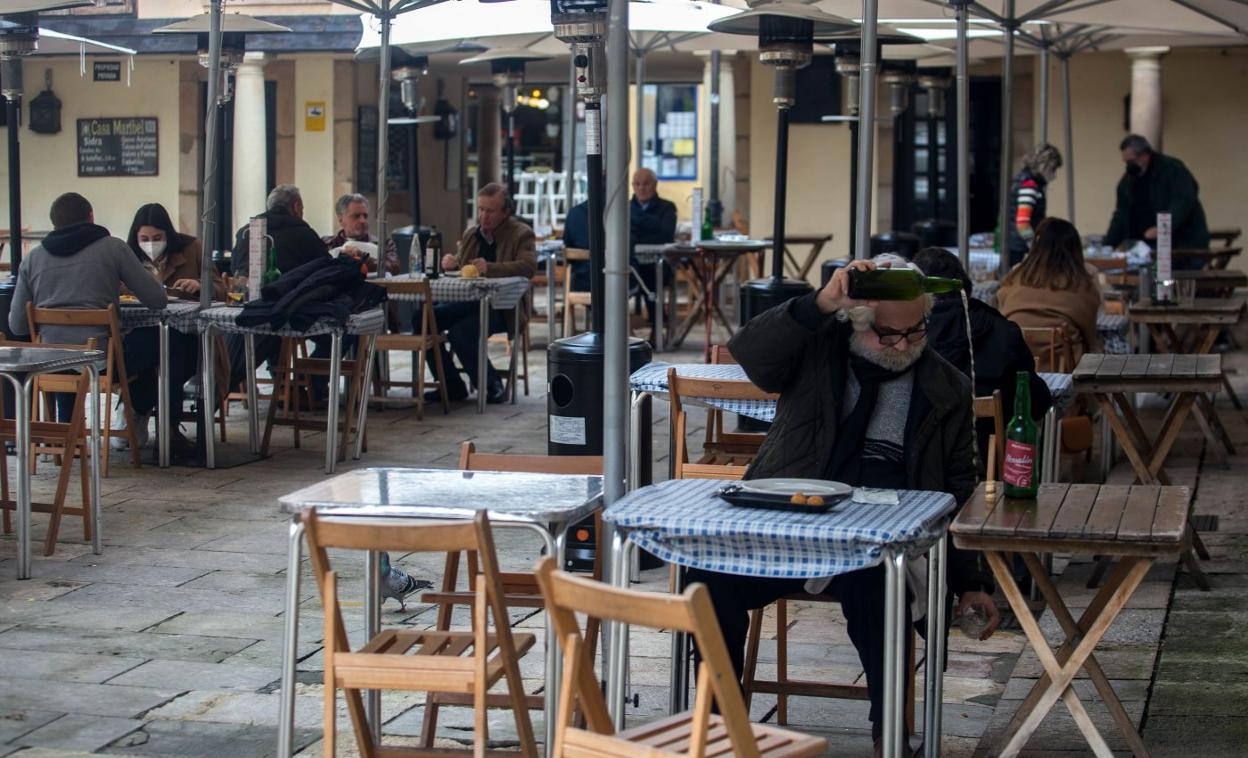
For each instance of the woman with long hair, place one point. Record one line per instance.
(1053, 288)
(175, 258)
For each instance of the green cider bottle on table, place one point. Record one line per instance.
(271, 272)
(1022, 450)
(708, 229)
(897, 284)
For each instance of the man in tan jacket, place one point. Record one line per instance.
(497, 245)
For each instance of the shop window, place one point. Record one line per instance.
(670, 139)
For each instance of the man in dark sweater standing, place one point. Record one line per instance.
(1156, 183)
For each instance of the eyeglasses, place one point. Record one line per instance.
(890, 337)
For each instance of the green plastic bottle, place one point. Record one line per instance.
(896, 284)
(1022, 451)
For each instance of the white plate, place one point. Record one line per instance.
(788, 486)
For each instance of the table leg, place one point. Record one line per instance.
(1135, 448)
(894, 654)
(207, 397)
(1049, 431)
(641, 445)
(372, 627)
(290, 641)
(678, 695)
(659, 304)
(483, 324)
(1060, 669)
(162, 398)
(331, 423)
(556, 545)
(934, 675)
(253, 394)
(97, 511)
(708, 279)
(21, 398)
(552, 332)
(512, 369)
(370, 353)
(616, 659)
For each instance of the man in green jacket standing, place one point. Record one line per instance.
(1156, 183)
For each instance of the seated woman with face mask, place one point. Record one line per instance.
(174, 258)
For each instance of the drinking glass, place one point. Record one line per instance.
(1186, 289)
(237, 294)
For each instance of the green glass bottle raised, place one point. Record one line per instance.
(1022, 449)
(896, 284)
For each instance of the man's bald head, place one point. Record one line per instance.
(645, 185)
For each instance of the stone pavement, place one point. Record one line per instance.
(168, 643)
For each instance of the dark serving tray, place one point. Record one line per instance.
(737, 496)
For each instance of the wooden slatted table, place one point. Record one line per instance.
(1214, 282)
(1186, 378)
(1216, 258)
(1136, 524)
(1193, 329)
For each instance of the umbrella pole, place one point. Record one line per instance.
(1044, 96)
(1070, 139)
(782, 186)
(713, 205)
(569, 161)
(1007, 141)
(964, 138)
(413, 168)
(383, 133)
(866, 139)
(615, 307)
(639, 74)
(854, 126)
(511, 152)
(13, 117)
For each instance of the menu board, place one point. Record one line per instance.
(118, 147)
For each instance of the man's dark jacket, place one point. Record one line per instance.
(296, 243)
(1000, 351)
(654, 225)
(1172, 189)
(803, 355)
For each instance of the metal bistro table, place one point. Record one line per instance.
(20, 365)
(1137, 525)
(546, 504)
(651, 380)
(549, 254)
(224, 318)
(502, 293)
(182, 316)
(683, 522)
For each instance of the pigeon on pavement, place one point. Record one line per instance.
(397, 583)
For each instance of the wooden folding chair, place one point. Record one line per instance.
(467, 664)
(991, 407)
(520, 588)
(429, 338)
(696, 732)
(723, 460)
(64, 438)
(1051, 347)
(716, 437)
(292, 384)
(573, 300)
(113, 377)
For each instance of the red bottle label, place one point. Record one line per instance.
(1020, 463)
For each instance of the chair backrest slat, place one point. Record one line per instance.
(585, 465)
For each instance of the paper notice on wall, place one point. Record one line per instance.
(697, 214)
(256, 232)
(567, 430)
(1163, 247)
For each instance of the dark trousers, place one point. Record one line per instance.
(861, 595)
(461, 322)
(141, 349)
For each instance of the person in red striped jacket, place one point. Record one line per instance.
(1027, 204)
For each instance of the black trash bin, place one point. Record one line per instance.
(829, 268)
(935, 232)
(904, 244)
(574, 415)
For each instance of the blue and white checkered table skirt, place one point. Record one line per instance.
(224, 318)
(652, 378)
(504, 292)
(682, 521)
(183, 316)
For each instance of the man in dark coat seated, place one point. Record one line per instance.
(863, 401)
(999, 348)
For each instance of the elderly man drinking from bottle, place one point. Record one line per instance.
(863, 401)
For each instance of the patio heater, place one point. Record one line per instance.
(935, 86)
(18, 39)
(786, 32)
(576, 364)
(507, 73)
(407, 76)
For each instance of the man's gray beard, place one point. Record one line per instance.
(890, 357)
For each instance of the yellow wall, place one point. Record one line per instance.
(50, 162)
(314, 165)
(1204, 110)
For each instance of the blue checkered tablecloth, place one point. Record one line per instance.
(223, 318)
(183, 316)
(652, 378)
(682, 521)
(504, 291)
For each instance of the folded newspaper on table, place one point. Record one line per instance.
(361, 248)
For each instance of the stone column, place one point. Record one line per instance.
(1146, 92)
(250, 139)
(489, 131)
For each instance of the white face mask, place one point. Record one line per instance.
(153, 248)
